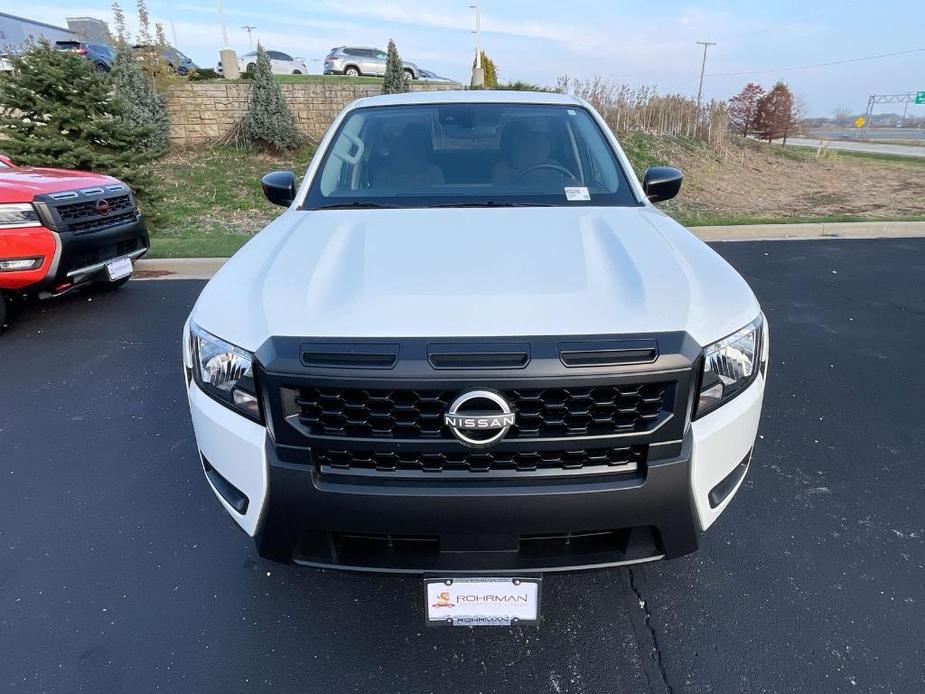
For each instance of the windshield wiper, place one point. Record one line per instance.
(493, 203)
(355, 205)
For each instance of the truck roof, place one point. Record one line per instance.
(463, 96)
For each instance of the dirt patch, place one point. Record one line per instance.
(756, 181)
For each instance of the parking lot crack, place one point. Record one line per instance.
(653, 661)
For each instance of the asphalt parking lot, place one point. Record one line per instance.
(119, 572)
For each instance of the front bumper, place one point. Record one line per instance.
(30, 242)
(476, 526)
(83, 257)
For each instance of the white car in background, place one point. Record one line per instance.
(281, 63)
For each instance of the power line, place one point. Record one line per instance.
(808, 67)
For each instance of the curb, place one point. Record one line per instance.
(204, 268)
(811, 231)
(178, 268)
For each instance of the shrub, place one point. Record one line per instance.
(521, 86)
(269, 123)
(203, 73)
(394, 81)
(55, 110)
(140, 103)
(490, 71)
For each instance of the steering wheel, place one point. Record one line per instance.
(553, 167)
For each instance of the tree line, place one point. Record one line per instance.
(770, 115)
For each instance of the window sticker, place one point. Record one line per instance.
(577, 193)
(571, 112)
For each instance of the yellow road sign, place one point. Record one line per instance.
(859, 122)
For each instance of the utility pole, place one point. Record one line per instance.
(703, 66)
(221, 18)
(227, 56)
(478, 74)
(173, 27)
(250, 38)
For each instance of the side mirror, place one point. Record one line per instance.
(6, 160)
(279, 187)
(661, 183)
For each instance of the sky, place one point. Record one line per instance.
(639, 43)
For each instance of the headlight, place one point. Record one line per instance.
(729, 367)
(18, 215)
(225, 372)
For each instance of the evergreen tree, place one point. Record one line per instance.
(269, 123)
(394, 81)
(55, 110)
(139, 102)
(490, 71)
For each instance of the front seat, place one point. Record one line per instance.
(408, 165)
(521, 149)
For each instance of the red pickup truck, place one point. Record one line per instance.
(62, 229)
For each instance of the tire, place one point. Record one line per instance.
(2, 312)
(352, 71)
(296, 72)
(102, 67)
(409, 74)
(251, 67)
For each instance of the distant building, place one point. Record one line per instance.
(16, 32)
(90, 29)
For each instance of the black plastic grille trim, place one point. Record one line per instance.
(110, 251)
(541, 413)
(102, 222)
(621, 460)
(87, 208)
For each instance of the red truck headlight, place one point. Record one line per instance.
(18, 215)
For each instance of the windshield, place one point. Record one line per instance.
(469, 155)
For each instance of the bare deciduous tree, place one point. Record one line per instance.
(778, 114)
(743, 109)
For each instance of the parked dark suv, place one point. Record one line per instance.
(101, 55)
(176, 61)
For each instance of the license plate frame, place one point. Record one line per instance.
(119, 268)
(473, 608)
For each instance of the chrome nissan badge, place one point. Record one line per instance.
(479, 418)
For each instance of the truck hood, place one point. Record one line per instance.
(22, 183)
(474, 272)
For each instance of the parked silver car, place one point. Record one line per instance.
(360, 60)
(281, 63)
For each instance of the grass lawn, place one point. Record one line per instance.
(309, 79)
(209, 201)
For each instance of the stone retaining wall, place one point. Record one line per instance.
(202, 111)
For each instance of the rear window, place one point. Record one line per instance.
(437, 155)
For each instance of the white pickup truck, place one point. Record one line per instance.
(472, 349)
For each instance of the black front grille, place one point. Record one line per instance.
(541, 413)
(76, 211)
(605, 460)
(101, 222)
(110, 251)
